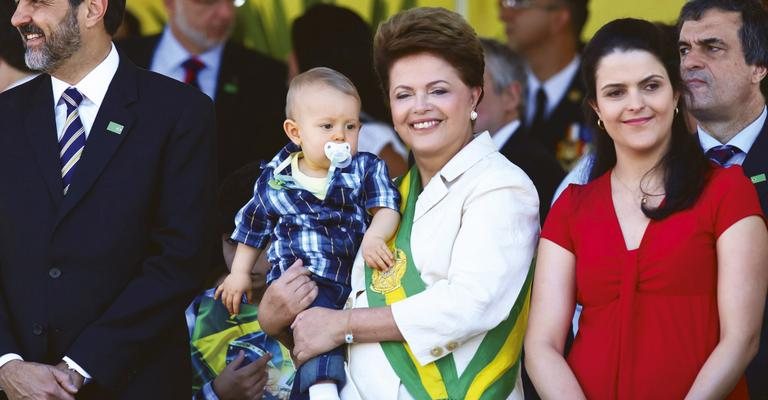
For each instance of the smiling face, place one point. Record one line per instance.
(50, 32)
(635, 101)
(431, 105)
(322, 114)
(713, 66)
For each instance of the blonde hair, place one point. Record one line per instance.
(319, 75)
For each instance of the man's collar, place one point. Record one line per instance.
(92, 86)
(174, 54)
(501, 137)
(743, 140)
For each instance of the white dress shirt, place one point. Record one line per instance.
(555, 87)
(170, 54)
(93, 87)
(743, 140)
(474, 233)
(502, 136)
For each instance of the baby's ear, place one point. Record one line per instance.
(291, 129)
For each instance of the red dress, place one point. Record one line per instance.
(649, 318)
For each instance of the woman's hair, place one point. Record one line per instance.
(684, 167)
(346, 47)
(437, 31)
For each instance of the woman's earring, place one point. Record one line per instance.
(473, 115)
(600, 124)
(677, 110)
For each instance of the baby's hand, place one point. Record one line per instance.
(231, 291)
(376, 253)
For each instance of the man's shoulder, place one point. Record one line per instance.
(243, 59)
(158, 88)
(139, 49)
(15, 97)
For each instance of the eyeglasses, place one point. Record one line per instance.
(521, 4)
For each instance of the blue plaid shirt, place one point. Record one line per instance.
(324, 234)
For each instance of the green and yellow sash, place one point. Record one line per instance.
(492, 372)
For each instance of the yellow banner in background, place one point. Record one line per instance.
(264, 25)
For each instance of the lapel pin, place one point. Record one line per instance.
(758, 178)
(115, 128)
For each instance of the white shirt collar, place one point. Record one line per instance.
(174, 54)
(94, 85)
(743, 140)
(555, 87)
(502, 135)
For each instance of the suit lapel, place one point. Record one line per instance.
(228, 82)
(113, 123)
(756, 164)
(40, 123)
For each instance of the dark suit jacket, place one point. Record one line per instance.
(543, 169)
(756, 163)
(565, 123)
(250, 102)
(103, 274)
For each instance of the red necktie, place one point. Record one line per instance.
(191, 68)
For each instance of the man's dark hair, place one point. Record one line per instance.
(113, 17)
(579, 10)
(11, 46)
(754, 24)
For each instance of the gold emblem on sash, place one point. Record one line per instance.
(388, 281)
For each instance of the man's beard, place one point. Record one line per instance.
(57, 47)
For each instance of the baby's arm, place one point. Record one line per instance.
(383, 226)
(239, 279)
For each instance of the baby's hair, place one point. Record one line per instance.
(322, 75)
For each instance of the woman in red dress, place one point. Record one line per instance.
(667, 254)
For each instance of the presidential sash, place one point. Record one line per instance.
(492, 372)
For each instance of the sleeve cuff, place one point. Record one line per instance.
(71, 364)
(6, 358)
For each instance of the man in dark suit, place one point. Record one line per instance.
(499, 113)
(724, 58)
(547, 34)
(102, 231)
(247, 87)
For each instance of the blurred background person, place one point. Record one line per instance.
(248, 88)
(347, 48)
(547, 34)
(499, 113)
(660, 243)
(13, 69)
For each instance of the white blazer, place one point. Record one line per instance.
(474, 234)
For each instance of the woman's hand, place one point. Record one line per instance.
(316, 331)
(285, 298)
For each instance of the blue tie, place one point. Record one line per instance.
(722, 154)
(72, 142)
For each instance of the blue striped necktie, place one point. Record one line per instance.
(72, 141)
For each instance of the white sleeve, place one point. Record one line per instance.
(490, 259)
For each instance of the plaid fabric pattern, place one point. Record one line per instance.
(324, 234)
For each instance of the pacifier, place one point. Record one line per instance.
(340, 154)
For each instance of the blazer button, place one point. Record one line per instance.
(451, 346)
(37, 329)
(436, 351)
(54, 273)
